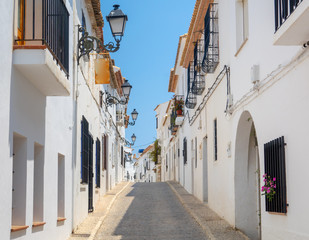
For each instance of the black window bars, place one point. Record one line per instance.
(211, 39)
(47, 23)
(283, 9)
(191, 98)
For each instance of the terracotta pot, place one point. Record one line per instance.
(179, 112)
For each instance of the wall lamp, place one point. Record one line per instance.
(134, 115)
(117, 22)
(133, 138)
(126, 90)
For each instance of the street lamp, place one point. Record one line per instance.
(126, 90)
(134, 115)
(133, 138)
(117, 21)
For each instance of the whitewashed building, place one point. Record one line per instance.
(61, 145)
(242, 70)
(36, 121)
(145, 167)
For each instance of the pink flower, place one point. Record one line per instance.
(265, 180)
(268, 191)
(275, 186)
(263, 188)
(264, 175)
(274, 179)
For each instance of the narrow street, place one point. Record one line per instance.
(149, 211)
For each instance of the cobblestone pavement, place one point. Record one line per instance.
(149, 211)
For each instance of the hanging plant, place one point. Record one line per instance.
(156, 152)
(269, 187)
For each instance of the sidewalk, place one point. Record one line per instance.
(89, 227)
(210, 222)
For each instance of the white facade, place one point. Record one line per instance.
(45, 94)
(224, 167)
(145, 167)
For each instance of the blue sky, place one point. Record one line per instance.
(147, 53)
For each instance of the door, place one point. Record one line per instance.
(90, 174)
(21, 22)
(205, 171)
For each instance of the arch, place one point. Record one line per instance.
(247, 178)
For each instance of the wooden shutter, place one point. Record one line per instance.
(98, 161)
(84, 150)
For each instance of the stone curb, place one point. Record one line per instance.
(206, 229)
(101, 220)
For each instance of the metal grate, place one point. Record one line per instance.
(185, 151)
(84, 150)
(191, 98)
(47, 23)
(274, 159)
(98, 164)
(283, 9)
(198, 84)
(211, 39)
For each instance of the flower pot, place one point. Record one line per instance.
(179, 112)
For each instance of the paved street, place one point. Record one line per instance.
(149, 211)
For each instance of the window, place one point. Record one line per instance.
(38, 183)
(156, 123)
(97, 164)
(242, 22)
(121, 156)
(105, 152)
(274, 160)
(166, 162)
(101, 99)
(86, 151)
(195, 152)
(19, 180)
(185, 151)
(61, 186)
(215, 141)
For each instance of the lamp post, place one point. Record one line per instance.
(134, 116)
(117, 21)
(133, 138)
(126, 90)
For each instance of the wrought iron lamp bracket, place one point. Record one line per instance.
(87, 44)
(129, 123)
(110, 100)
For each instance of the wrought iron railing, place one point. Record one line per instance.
(47, 23)
(283, 9)
(198, 84)
(211, 39)
(191, 98)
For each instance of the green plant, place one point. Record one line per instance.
(269, 187)
(179, 104)
(156, 152)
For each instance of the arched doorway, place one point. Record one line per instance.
(247, 178)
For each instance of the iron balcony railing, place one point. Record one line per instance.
(191, 98)
(198, 84)
(47, 23)
(283, 9)
(211, 39)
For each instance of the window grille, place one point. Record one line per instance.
(98, 161)
(185, 159)
(191, 98)
(215, 141)
(84, 150)
(274, 160)
(211, 39)
(198, 84)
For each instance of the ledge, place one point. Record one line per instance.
(18, 228)
(61, 219)
(37, 224)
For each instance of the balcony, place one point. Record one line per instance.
(291, 19)
(41, 52)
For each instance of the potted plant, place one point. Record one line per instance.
(179, 107)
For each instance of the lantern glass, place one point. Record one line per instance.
(126, 89)
(133, 138)
(134, 115)
(117, 21)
